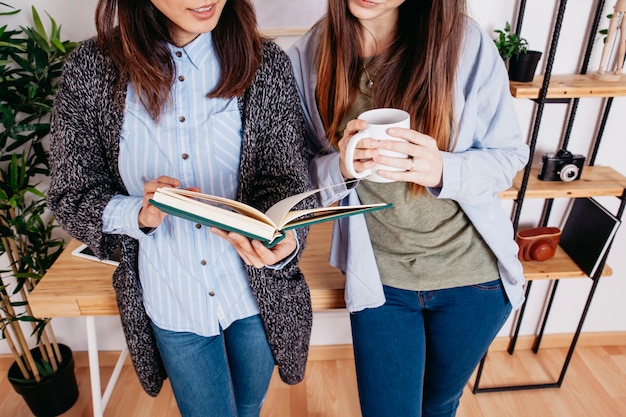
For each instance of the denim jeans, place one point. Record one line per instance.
(223, 376)
(415, 354)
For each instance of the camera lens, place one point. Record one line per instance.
(569, 173)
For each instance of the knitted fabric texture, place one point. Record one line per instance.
(86, 125)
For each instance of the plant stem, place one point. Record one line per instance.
(16, 355)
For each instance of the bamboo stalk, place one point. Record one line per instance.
(11, 314)
(48, 353)
(55, 343)
(44, 344)
(31, 362)
(16, 355)
(25, 353)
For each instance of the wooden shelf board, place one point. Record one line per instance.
(560, 266)
(569, 86)
(510, 194)
(595, 181)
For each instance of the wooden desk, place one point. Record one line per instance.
(75, 287)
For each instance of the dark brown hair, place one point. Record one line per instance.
(138, 47)
(417, 73)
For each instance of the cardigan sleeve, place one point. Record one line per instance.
(83, 175)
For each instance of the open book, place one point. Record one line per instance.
(231, 215)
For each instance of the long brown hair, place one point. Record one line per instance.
(138, 47)
(417, 72)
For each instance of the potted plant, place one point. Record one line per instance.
(521, 62)
(30, 65)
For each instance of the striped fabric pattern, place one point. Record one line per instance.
(193, 281)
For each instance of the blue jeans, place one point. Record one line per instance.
(225, 375)
(415, 354)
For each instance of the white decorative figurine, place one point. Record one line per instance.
(617, 19)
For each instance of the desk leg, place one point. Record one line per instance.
(94, 367)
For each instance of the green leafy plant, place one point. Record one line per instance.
(30, 65)
(509, 44)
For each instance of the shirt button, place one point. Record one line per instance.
(198, 226)
(184, 156)
(211, 293)
(203, 262)
(179, 54)
(181, 78)
(181, 119)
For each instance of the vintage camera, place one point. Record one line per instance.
(538, 243)
(564, 166)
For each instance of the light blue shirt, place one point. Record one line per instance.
(192, 280)
(488, 151)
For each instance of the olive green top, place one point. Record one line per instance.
(421, 243)
(424, 243)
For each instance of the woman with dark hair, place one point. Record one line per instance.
(429, 282)
(187, 94)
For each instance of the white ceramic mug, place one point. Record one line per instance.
(378, 121)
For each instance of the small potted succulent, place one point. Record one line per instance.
(513, 49)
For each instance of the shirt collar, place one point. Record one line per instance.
(198, 50)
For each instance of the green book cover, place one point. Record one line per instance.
(234, 216)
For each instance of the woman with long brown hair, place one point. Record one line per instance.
(429, 282)
(186, 93)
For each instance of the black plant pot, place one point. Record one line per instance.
(523, 66)
(54, 394)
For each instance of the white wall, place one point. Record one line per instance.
(608, 311)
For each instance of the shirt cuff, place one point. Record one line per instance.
(120, 217)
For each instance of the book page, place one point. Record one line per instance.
(213, 215)
(292, 219)
(235, 205)
(279, 211)
(282, 212)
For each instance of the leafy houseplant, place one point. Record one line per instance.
(30, 66)
(513, 50)
(509, 44)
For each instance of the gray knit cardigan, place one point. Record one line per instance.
(86, 125)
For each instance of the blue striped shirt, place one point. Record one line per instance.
(192, 280)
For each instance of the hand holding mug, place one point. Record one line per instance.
(378, 121)
(399, 153)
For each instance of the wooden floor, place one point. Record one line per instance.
(595, 385)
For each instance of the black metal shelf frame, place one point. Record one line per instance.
(518, 204)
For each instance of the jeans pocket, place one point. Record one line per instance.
(494, 285)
